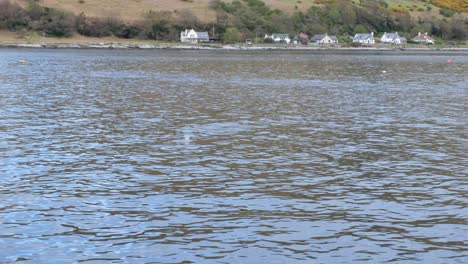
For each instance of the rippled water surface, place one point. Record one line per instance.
(211, 157)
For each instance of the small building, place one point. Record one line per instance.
(296, 40)
(192, 36)
(367, 38)
(278, 38)
(324, 39)
(392, 38)
(423, 38)
(302, 38)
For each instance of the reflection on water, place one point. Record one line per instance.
(210, 157)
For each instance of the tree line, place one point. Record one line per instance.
(238, 20)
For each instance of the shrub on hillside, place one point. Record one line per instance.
(94, 27)
(232, 35)
(123, 30)
(35, 11)
(57, 23)
(447, 12)
(398, 9)
(457, 5)
(12, 16)
(158, 24)
(104, 27)
(324, 1)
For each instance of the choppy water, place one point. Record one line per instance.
(211, 157)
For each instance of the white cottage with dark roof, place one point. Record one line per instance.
(423, 38)
(364, 38)
(278, 37)
(393, 38)
(192, 36)
(324, 39)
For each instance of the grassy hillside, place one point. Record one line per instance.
(235, 20)
(127, 9)
(133, 9)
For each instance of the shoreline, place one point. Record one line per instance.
(233, 47)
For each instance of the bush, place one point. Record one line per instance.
(93, 27)
(159, 30)
(447, 12)
(12, 16)
(98, 27)
(457, 5)
(268, 40)
(127, 30)
(232, 35)
(398, 9)
(59, 24)
(36, 11)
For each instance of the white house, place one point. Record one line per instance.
(324, 39)
(190, 35)
(278, 38)
(364, 38)
(423, 38)
(393, 38)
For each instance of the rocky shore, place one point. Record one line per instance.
(234, 47)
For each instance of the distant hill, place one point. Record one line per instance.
(236, 20)
(134, 9)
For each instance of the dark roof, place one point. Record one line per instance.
(320, 37)
(317, 37)
(423, 37)
(392, 35)
(281, 36)
(363, 36)
(203, 35)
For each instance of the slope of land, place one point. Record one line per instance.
(233, 21)
(134, 9)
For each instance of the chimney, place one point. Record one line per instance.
(372, 33)
(419, 33)
(425, 33)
